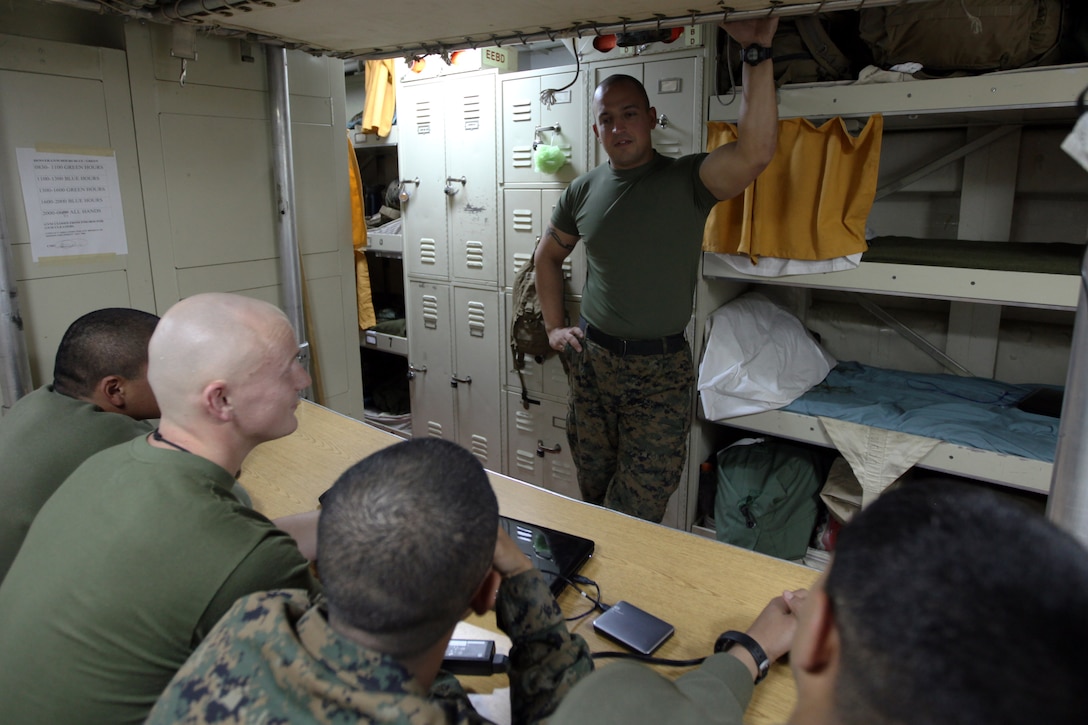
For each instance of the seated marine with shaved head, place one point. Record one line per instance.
(144, 547)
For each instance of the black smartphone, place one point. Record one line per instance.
(633, 627)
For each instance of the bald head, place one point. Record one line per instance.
(621, 80)
(229, 340)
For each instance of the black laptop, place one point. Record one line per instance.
(553, 552)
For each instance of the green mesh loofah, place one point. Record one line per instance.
(548, 159)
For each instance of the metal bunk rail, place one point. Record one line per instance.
(1067, 504)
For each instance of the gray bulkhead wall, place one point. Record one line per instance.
(203, 187)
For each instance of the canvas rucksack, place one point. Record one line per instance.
(805, 51)
(966, 36)
(528, 336)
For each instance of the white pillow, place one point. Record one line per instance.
(758, 357)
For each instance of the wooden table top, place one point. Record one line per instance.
(701, 586)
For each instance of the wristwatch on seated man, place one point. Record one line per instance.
(755, 54)
(728, 639)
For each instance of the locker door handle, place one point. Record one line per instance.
(541, 129)
(404, 194)
(412, 370)
(454, 380)
(541, 449)
(450, 181)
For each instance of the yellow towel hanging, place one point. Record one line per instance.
(810, 203)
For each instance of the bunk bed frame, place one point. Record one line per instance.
(1007, 99)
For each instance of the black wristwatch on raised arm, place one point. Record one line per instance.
(755, 54)
(732, 637)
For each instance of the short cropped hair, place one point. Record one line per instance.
(405, 538)
(110, 341)
(621, 79)
(955, 605)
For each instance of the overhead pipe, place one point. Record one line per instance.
(15, 381)
(286, 216)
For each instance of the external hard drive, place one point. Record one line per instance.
(630, 626)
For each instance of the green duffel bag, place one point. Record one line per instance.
(768, 496)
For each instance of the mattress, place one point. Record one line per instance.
(1044, 258)
(974, 412)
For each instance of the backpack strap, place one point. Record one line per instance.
(519, 365)
(824, 51)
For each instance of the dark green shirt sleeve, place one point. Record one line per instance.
(275, 563)
(716, 693)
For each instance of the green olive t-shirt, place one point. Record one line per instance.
(642, 229)
(43, 438)
(125, 569)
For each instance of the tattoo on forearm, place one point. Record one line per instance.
(560, 242)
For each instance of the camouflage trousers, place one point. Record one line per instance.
(627, 425)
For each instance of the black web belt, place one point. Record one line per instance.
(620, 346)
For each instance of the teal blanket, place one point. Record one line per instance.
(973, 412)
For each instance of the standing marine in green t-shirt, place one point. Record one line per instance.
(641, 217)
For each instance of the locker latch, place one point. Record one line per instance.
(183, 46)
(541, 129)
(541, 449)
(404, 195)
(450, 181)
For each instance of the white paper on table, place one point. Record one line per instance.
(495, 706)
